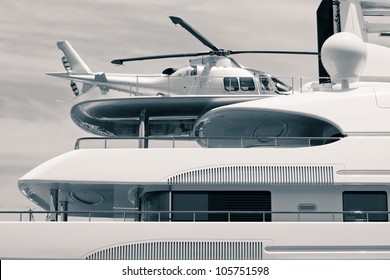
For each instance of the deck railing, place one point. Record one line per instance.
(212, 142)
(200, 216)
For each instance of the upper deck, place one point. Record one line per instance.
(173, 114)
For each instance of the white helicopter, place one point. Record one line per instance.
(215, 73)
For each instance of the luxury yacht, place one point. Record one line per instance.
(303, 176)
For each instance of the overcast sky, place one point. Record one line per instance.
(34, 127)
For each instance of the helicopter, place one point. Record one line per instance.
(214, 73)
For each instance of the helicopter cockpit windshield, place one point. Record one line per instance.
(280, 86)
(270, 84)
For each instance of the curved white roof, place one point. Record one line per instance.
(357, 110)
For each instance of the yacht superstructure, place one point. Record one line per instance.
(286, 177)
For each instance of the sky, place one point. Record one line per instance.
(35, 127)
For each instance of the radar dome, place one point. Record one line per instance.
(344, 57)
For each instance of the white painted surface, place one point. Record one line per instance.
(73, 240)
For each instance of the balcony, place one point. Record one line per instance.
(197, 216)
(198, 142)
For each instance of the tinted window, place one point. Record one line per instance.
(365, 201)
(247, 84)
(231, 84)
(243, 206)
(189, 201)
(194, 70)
(154, 201)
(265, 84)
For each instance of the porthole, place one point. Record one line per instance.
(87, 197)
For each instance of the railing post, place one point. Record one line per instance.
(366, 216)
(170, 216)
(89, 216)
(292, 85)
(168, 85)
(105, 143)
(124, 216)
(228, 216)
(53, 205)
(194, 216)
(64, 211)
(300, 84)
(20, 217)
(137, 84)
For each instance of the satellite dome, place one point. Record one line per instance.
(344, 57)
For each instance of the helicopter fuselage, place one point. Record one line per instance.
(189, 80)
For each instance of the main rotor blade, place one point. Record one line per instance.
(275, 52)
(189, 28)
(120, 61)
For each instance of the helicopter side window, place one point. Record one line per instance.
(194, 71)
(230, 84)
(265, 84)
(247, 84)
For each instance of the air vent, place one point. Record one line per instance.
(182, 250)
(256, 175)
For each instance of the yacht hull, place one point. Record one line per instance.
(189, 240)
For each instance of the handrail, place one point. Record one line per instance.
(255, 141)
(364, 216)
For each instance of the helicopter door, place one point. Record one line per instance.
(192, 84)
(266, 85)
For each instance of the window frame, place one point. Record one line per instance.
(251, 87)
(265, 87)
(364, 204)
(193, 70)
(228, 85)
